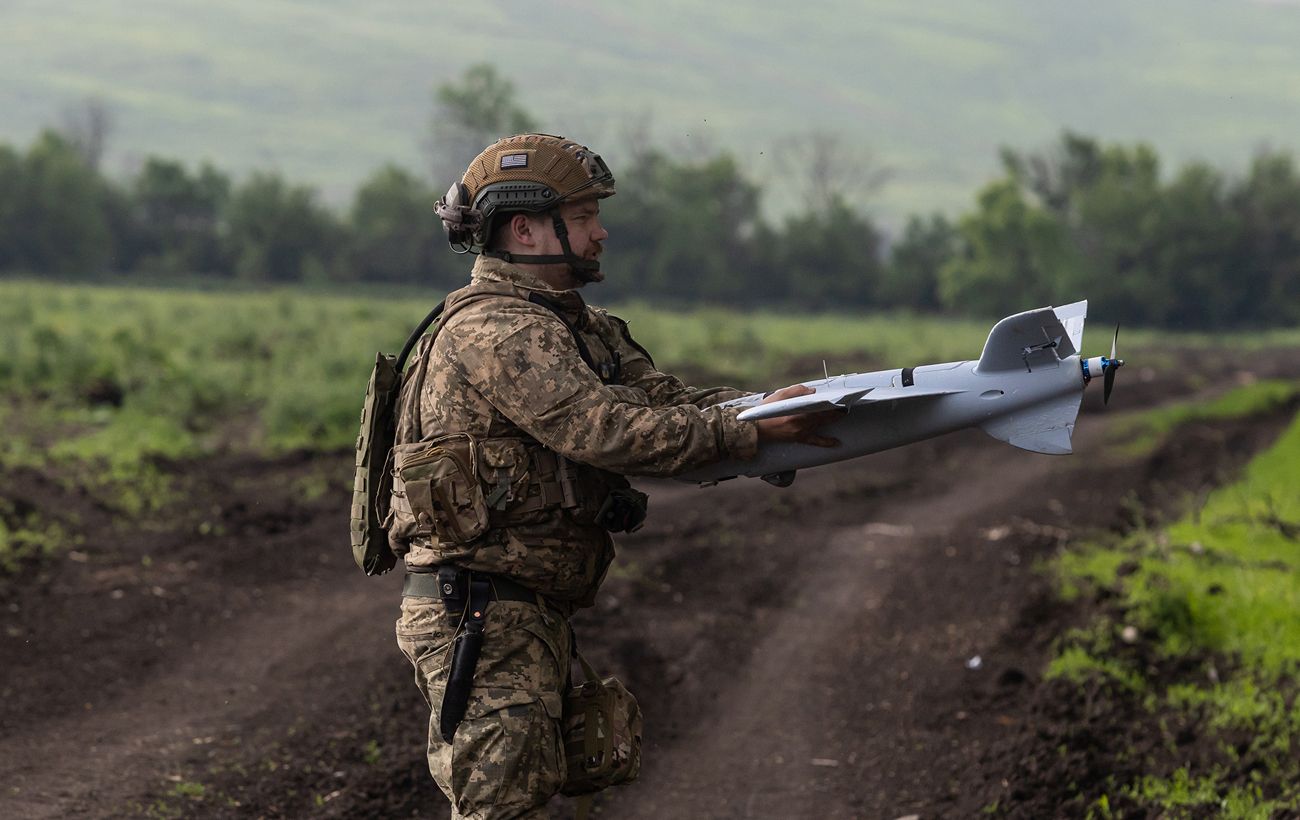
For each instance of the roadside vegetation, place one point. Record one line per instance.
(121, 373)
(102, 387)
(1197, 630)
(1144, 433)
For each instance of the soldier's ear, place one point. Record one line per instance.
(521, 229)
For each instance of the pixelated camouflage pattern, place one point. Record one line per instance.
(602, 735)
(506, 759)
(506, 367)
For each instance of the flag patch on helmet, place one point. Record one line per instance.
(514, 161)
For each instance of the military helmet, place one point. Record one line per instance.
(527, 172)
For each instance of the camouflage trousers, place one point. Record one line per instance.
(506, 759)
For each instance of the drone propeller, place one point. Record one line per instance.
(1105, 367)
(1109, 366)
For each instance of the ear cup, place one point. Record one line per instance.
(457, 196)
(459, 236)
(457, 215)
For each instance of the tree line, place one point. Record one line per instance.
(1082, 219)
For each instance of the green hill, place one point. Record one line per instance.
(328, 90)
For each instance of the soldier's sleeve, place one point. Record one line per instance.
(639, 371)
(524, 361)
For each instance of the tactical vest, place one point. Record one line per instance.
(450, 489)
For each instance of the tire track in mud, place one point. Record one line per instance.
(831, 711)
(222, 684)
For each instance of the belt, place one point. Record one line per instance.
(424, 584)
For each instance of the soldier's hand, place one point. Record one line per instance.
(801, 428)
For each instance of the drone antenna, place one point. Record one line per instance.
(826, 372)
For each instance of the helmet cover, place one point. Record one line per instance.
(531, 173)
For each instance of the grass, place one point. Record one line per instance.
(101, 386)
(26, 535)
(1079, 664)
(750, 348)
(1222, 583)
(121, 374)
(1143, 433)
(1183, 790)
(117, 374)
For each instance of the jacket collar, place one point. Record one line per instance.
(570, 302)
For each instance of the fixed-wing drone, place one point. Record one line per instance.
(1025, 389)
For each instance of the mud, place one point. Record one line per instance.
(866, 643)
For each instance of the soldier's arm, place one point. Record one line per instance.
(524, 361)
(639, 371)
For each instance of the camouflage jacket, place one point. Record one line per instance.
(504, 366)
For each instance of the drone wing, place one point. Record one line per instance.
(843, 398)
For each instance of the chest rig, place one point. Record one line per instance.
(455, 487)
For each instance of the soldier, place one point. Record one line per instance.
(518, 420)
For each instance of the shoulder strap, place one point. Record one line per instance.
(627, 336)
(440, 309)
(583, 350)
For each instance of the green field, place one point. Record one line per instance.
(1216, 592)
(122, 373)
(114, 379)
(120, 377)
(328, 91)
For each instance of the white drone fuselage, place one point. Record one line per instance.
(1025, 389)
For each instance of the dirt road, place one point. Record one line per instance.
(853, 646)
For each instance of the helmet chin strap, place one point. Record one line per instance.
(585, 270)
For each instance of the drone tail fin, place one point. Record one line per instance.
(1072, 317)
(1036, 337)
(1043, 428)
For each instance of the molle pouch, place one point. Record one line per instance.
(503, 468)
(624, 510)
(402, 526)
(602, 734)
(609, 501)
(440, 482)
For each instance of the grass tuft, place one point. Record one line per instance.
(1223, 583)
(1143, 433)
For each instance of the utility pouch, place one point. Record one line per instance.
(503, 468)
(605, 499)
(602, 734)
(624, 510)
(441, 486)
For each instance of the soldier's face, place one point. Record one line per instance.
(585, 231)
(586, 236)
(536, 235)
